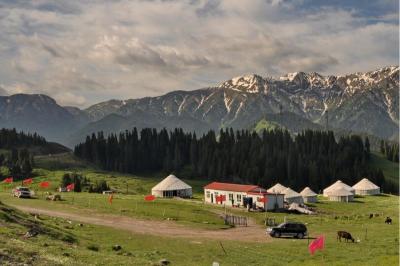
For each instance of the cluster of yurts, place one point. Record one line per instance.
(338, 191)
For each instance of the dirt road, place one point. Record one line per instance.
(251, 233)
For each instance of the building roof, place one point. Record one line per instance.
(307, 192)
(171, 182)
(339, 192)
(365, 184)
(277, 188)
(290, 193)
(234, 187)
(338, 184)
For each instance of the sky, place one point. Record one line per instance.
(85, 52)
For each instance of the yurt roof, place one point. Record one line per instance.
(339, 192)
(277, 188)
(338, 184)
(365, 184)
(171, 182)
(290, 193)
(307, 192)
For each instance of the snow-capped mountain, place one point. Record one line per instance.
(358, 102)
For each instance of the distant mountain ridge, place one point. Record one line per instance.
(359, 102)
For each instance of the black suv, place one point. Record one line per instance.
(298, 230)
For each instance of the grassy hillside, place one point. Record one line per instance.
(265, 125)
(390, 169)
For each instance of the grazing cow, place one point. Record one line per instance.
(342, 234)
(388, 220)
(371, 215)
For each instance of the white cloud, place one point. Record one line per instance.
(84, 52)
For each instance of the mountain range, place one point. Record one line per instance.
(359, 102)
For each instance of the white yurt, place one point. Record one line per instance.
(171, 186)
(292, 196)
(276, 189)
(308, 195)
(366, 187)
(340, 194)
(337, 185)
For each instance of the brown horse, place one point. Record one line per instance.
(343, 234)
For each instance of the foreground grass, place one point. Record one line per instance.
(380, 247)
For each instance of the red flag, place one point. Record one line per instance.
(318, 243)
(44, 184)
(71, 187)
(27, 181)
(263, 199)
(8, 180)
(220, 198)
(110, 198)
(149, 198)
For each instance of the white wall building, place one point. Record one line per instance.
(237, 195)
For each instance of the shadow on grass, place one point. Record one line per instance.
(356, 201)
(290, 237)
(381, 195)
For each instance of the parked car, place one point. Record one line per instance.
(21, 192)
(298, 230)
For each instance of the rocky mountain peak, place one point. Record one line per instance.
(249, 83)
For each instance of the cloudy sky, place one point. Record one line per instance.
(83, 52)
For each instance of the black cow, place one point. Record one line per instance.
(343, 234)
(388, 220)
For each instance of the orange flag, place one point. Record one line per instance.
(110, 198)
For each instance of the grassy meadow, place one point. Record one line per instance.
(70, 244)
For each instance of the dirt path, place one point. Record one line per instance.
(251, 233)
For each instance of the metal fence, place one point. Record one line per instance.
(235, 220)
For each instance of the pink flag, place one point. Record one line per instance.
(71, 187)
(318, 243)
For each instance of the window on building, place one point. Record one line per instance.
(208, 194)
(230, 197)
(239, 197)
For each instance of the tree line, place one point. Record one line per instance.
(390, 151)
(312, 158)
(10, 138)
(18, 162)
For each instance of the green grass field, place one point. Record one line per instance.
(390, 169)
(378, 242)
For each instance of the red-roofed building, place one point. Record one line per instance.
(242, 196)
